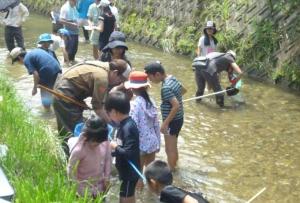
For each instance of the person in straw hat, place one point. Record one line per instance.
(144, 112)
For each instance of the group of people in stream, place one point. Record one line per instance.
(124, 121)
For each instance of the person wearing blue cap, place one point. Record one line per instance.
(42, 66)
(44, 42)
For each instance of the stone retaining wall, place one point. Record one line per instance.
(176, 25)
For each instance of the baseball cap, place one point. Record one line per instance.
(46, 37)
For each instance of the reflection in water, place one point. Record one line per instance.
(227, 154)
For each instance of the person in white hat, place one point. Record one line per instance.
(207, 42)
(42, 66)
(144, 112)
(218, 62)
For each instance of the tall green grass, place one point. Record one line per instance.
(34, 163)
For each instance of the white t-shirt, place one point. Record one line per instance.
(206, 49)
(16, 16)
(58, 42)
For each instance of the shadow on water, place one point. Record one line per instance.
(228, 154)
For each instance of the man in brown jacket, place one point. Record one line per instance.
(89, 79)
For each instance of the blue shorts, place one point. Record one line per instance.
(175, 127)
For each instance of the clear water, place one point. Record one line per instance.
(227, 154)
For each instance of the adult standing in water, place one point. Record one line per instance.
(44, 42)
(93, 18)
(116, 48)
(115, 12)
(107, 24)
(82, 8)
(89, 79)
(13, 26)
(69, 17)
(219, 62)
(207, 44)
(44, 68)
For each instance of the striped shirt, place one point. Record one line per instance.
(171, 88)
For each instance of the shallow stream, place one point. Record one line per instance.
(227, 154)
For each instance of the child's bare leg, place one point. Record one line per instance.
(127, 199)
(171, 150)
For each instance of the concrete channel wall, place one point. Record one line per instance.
(239, 16)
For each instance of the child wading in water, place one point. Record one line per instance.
(171, 108)
(126, 148)
(90, 160)
(144, 113)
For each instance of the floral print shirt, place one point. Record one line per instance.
(146, 118)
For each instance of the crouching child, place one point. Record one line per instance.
(159, 179)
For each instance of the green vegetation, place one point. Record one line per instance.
(256, 49)
(34, 163)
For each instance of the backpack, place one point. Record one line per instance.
(200, 62)
(6, 5)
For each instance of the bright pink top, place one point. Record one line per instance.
(94, 166)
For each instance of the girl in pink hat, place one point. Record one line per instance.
(144, 112)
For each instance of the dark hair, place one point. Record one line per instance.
(118, 101)
(95, 129)
(159, 171)
(207, 41)
(154, 67)
(118, 64)
(107, 56)
(143, 93)
(21, 55)
(106, 10)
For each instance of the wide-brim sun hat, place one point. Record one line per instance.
(136, 80)
(116, 39)
(46, 37)
(115, 44)
(210, 25)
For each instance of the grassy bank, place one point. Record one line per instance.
(34, 164)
